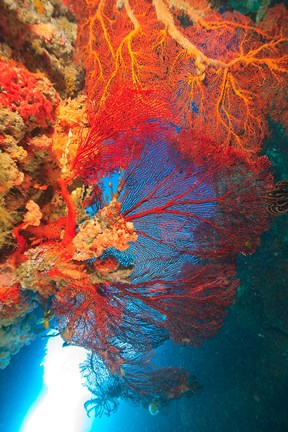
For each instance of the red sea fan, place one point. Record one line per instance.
(118, 130)
(241, 187)
(195, 304)
(106, 319)
(204, 204)
(194, 208)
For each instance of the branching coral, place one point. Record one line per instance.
(223, 70)
(158, 260)
(140, 383)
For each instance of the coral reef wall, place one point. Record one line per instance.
(131, 178)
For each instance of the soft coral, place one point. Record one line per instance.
(31, 95)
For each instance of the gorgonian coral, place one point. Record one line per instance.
(131, 209)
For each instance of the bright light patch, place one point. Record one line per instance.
(60, 406)
(110, 185)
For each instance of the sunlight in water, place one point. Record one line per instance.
(60, 406)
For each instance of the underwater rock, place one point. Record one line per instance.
(27, 105)
(11, 124)
(43, 35)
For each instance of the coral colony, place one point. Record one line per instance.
(127, 196)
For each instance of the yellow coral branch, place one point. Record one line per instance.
(194, 14)
(229, 88)
(164, 16)
(92, 41)
(127, 40)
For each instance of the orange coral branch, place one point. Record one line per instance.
(223, 65)
(166, 18)
(119, 60)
